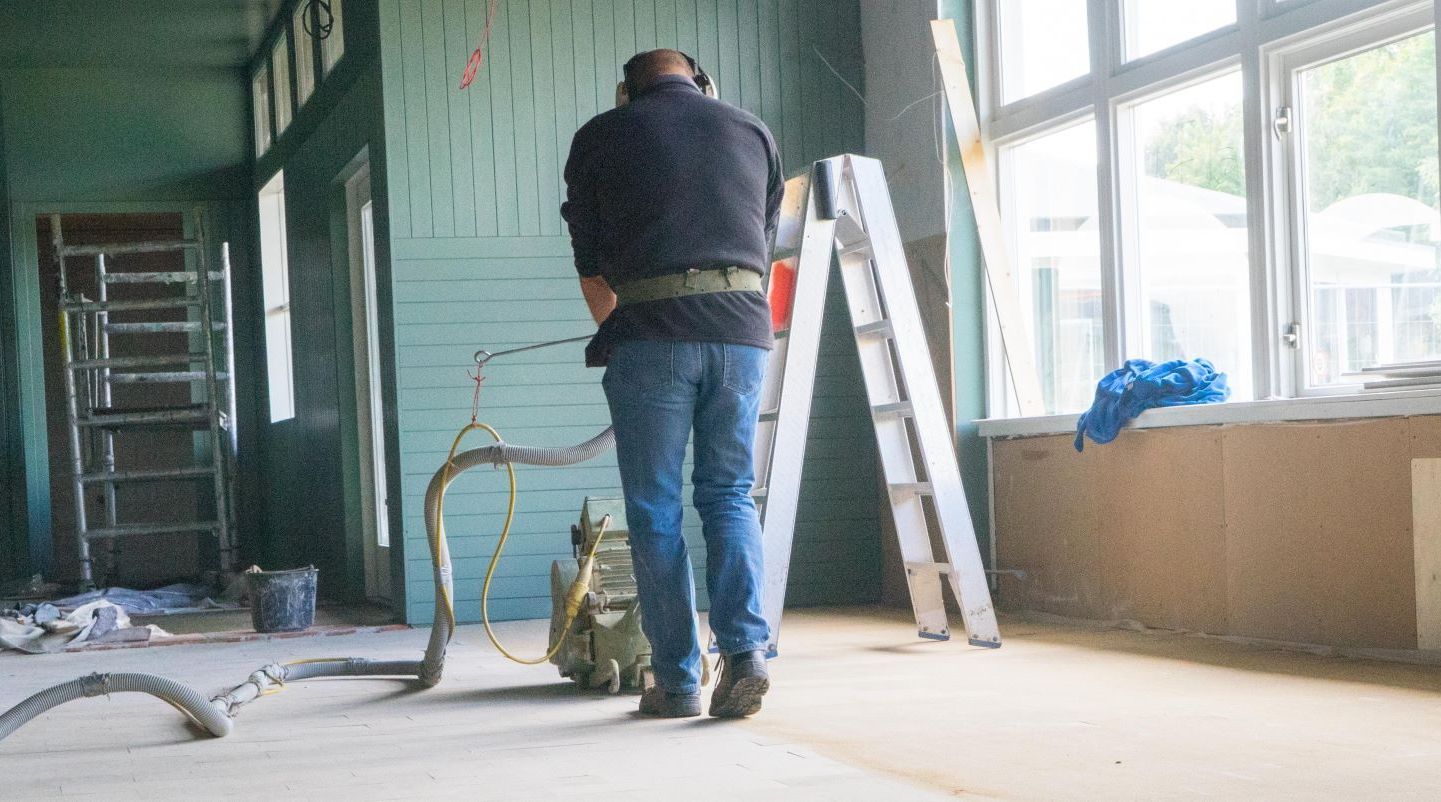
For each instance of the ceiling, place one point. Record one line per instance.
(132, 33)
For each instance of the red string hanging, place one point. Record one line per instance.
(472, 67)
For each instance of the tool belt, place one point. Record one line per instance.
(692, 282)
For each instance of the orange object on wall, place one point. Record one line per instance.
(782, 292)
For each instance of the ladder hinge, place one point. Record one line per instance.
(1292, 337)
(1281, 123)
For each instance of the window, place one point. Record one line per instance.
(1154, 25)
(280, 68)
(304, 54)
(275, 277)
(260, 104)
(1367, 148)
(1263, 192)
(1043, 44)
(332, 46)
(1184, 191)
(1054, 234)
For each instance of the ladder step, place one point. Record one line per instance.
(171, 474)
(173, 277)
(769, 415)
(165, 327)
(916, 568)
(133, 306)
(880, 328)
(130, 530)
(113, 249)
(900, 409)
(165, 417)
(760, 492)
(165, 377)
(911, 489)
(122, 362)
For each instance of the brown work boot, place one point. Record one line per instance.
(658, 702)
(743, 681)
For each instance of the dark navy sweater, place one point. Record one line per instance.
(671, 181)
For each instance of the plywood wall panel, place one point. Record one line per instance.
(1162, 543)
(1048, 511)
(1296, 532)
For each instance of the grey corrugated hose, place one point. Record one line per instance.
(216, 715)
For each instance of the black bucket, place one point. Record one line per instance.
(282, 601)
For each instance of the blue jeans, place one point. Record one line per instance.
(658, 392)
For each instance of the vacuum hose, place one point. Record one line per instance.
(216, 715)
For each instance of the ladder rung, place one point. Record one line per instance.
(162, 327)
(130, 530)
(769, 415)
(860, 246)
(880, 328)
(760, 492)
(133, 306)
(121, 362)
(166, 417)
(157, 246)
(911, 489)
(899, 409)
(164, 377)
(928, 568)
(165, 475)
(173, 277)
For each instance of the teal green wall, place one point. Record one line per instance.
(11, 551)
(102, 139)
(968, 307)
(310, 474)
(481, 260)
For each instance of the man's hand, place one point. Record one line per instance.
(598, 296)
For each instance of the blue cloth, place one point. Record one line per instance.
(1140, 385)
(658, 392)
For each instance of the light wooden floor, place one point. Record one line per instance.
(860, 711)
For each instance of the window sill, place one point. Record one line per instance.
(1370, 405)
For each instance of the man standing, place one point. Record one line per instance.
(672, 202)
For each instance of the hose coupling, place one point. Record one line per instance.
(96, 684)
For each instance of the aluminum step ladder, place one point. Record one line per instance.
(842, 210)
(93, 367)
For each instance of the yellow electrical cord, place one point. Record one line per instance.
(574, 597)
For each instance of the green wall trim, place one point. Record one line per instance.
(481, 259)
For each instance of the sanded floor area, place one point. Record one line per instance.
(860, 711)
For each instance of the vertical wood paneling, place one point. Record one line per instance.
(479, 99)
(502, 118)
(397, 151)
(462, 135)
(437, 109)
(523, 102)
(482, 260)
(546, 113)
(416, 133)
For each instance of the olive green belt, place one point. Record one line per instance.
(691, 282)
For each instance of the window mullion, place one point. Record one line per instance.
(1105, 49)
(1268, 302)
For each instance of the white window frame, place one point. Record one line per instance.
(332, 47)
(260, 108)
(304, 54)
(280, 93)
(1264, 30)
(275, 284)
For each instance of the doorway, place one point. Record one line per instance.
(370, 419)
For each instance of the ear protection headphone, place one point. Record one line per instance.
(626, 89)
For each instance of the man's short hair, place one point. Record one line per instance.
(645, 68)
